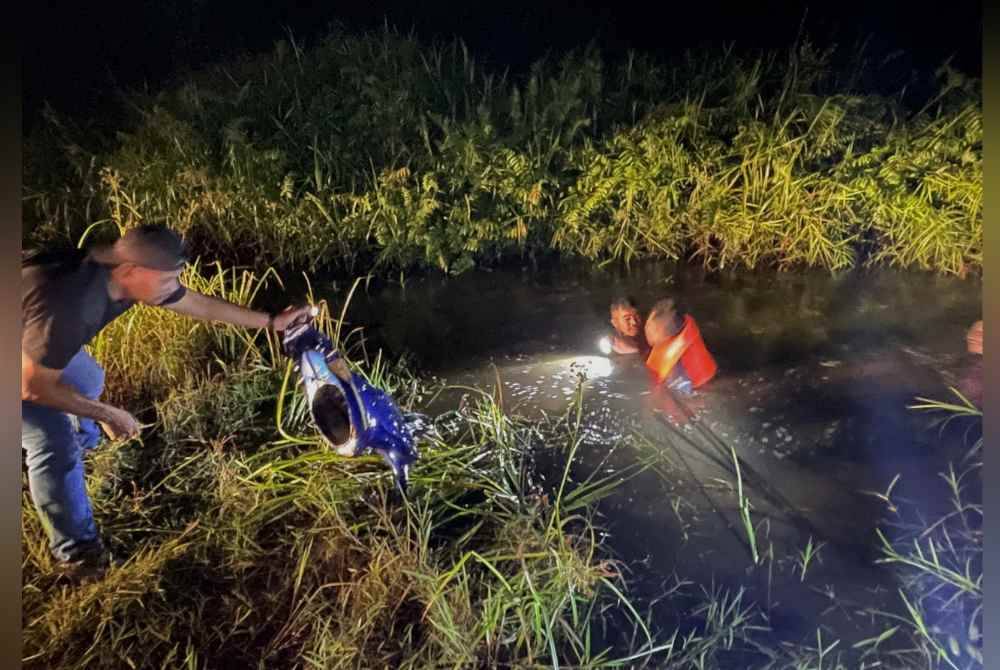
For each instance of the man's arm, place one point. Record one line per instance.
(42, 386)
(207, 308)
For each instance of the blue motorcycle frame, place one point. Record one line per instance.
(353, 416)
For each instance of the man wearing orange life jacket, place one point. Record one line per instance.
(679, 357)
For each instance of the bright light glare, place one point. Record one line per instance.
(593, 366)
(604, 345)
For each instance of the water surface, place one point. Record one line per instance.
(815, 373)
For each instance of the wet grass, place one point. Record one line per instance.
(379, 153)
(250, 544)
(247, 551)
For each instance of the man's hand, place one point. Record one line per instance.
(119, 424)
(292, 316)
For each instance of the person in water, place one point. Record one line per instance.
(678, 358)
(971, 384)
(628, 337)
(974, 338)
(66, 299)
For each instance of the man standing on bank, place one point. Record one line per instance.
(66, 299)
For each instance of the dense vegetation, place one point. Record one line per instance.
(376, 150)
(249, 544)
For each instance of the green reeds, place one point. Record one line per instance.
(243, 548)
(939, 560)
(150, 350)
(377, 151)
(805, 558)
(744, 503)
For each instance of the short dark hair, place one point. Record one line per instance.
(624, 302)
(663, 306)
(667, 311)
(150, 245)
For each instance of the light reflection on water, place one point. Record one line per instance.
(803, 356)
(815, 373)
(593, 367)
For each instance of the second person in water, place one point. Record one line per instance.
(668, 339)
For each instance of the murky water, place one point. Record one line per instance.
(815, 373)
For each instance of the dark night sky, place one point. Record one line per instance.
(74, 51)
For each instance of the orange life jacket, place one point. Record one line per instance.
(686, 347)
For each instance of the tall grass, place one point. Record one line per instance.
(249, 546)
(251, 551)
(149, 350)
(378, 151)
(940, 560)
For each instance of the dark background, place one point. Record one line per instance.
(76, 54)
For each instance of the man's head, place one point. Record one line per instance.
(663, 323)
(625, 317)
(146, 263)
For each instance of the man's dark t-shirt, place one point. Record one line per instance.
(65, 303)
(639, 342)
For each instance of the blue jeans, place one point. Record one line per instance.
(54, 443)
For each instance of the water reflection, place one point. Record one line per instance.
(593, 367)
(815, 373)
